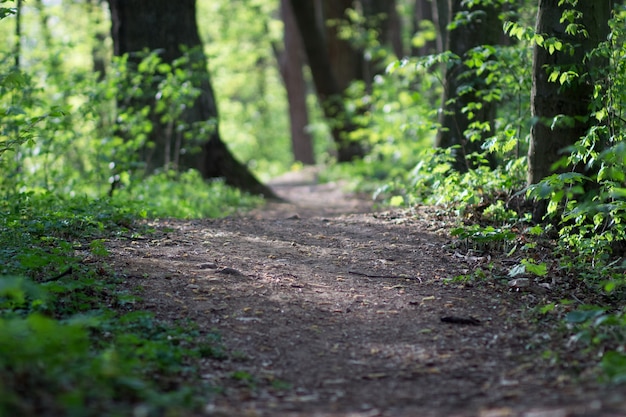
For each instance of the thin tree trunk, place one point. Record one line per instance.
(441, 18)
(54, 60)
(99, 52)
(165, 25)
(291, 62)
(346, 61)
(18, 34)
(388, 26)
(392, 30)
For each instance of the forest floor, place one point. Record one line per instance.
(328, 308)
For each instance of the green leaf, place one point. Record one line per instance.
(536, 269)
(57, 112)
(396, 201)
(6, 11)
(554, 75)
(164, 68)
(14, 80)
(582, 316)
(614, 365)
(610, 286)
(33, 260)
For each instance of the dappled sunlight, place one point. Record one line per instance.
(282, 293)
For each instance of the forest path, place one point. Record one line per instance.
(327, 309)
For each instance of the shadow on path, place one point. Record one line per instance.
(329, 310)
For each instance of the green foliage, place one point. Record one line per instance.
(63, 148)
(394, 119)
(63, 350)
(484, 238)
(506, 75)
(70, 138)
(614, 365)
(588, 201)
(529, 266)
(50, 366)
(185, 195)
(72, 164)
(241, 40)
(135, 85)
(598, 329)
(6, 11)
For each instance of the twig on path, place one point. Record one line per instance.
(363, 274)
(472, 321)
(67, 272)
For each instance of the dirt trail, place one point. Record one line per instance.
(327, 309)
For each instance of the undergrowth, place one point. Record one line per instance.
(185, 195)
(72, 343)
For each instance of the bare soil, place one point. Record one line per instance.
(329, 308)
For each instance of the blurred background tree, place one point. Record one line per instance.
(184, 131)
(291, 60)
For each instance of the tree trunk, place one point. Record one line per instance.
(327, 84)
(460, 89)
(291, 62)
(392, 29)
(138, 25)
(346, 61)
(549, 98)
(17, 48)
(441, 18)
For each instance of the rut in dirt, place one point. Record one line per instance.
(330, 309)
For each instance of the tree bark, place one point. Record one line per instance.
(460, 88)
(17, 48)
(167, 26)
(391, 30)
(291, 61)
(346, 61)
(441, 18)
(549, 98)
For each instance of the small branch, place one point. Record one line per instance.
(61, 275)
(363, 274)
(471, 321)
